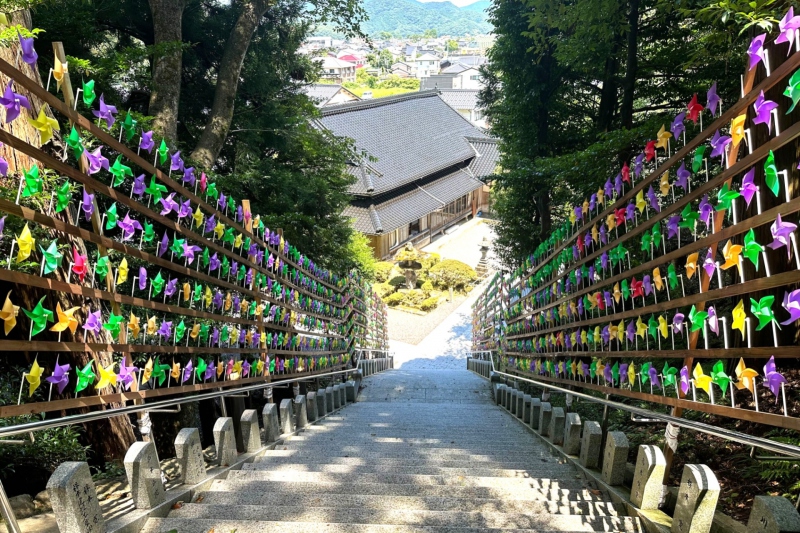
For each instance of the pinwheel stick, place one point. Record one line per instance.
(705, 334)
(50, 207)
(733, 400)
(783, 395)
(758, 199)
(775, 333)
(796, 255)
(77, 93)
(749, 141)
(785, 182)
(683, 289)
(21, 385)
(766, 263)
(774, 114)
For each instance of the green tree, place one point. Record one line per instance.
(451, 46)
(451, 274)
(430, 33)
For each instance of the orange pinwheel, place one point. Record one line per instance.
(691, 264)
(731, 252)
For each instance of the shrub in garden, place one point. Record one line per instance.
(383, 269)
(429, 304)
(452, 274)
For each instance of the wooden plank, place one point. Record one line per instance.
(760, 352)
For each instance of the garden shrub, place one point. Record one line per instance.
(383, 289)
(452, 274)
(397, 281)
(427, 287)
(429, 304)
(414, 297)
(383, 269)
(395, 299)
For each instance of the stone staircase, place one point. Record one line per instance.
(425, 451)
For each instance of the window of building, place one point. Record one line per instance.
(476, 77)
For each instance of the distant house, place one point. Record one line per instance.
(337, 71)
(350, 58)
(465, 101)
(403, 70)
(470, 61)
(324, 94)
(425, 167)
(439, 81)
(427, 65)
(456, 76)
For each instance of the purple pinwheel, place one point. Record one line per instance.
(608, 188)
(239, 214)
(605, 335)
(677, 323)
(630, 211)
(623, 373)
(242, 336)
(630, 331)
(253, 249)
(245, 368)
(128, 227)
(652, 373)
(188, 176)
(651, 195)
(763, 109)
(213, 263)
(593, 202)
(188, 370)
(781, 234)
(215, 336)
(718, 144)
(210, 224)
(210, 371)
(712, 99)
(138, 185)
(603, 235)
(683, 177)
(607, 375)
(185, 209)
(13, 102)
(163, 245)
(638, 164)
(756, 50)
(60, 376)
(146, 141)
(672, 226)
(791, 302)
(256, 339)
(96, 160)
(578, 276)
(685, 381)
(106, 112)
(260, 256)
(87, 205)
(709, 265)
(578, 213)
(2, 224)
(587, 239)
(29, 55)
(713, 320)
(604, 260)
(249, 277)
(221, 202)
(189, 251)
(217, 299)
(172, 286)
(169, 204)
(126, 375)
(647, 285)
(585, 370)
(142, 278)
(677, 125)
(234, 266)
(705, 210)
(748, 188)
(176, 163)
(236, 302)
(591, 274)
(94, 322)
(165, 330)
(773, 378)
(3, 165)
(788, 24)
(580, 306)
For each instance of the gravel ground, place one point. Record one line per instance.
(412, 329)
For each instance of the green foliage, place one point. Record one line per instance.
(451, 45)
(414, 298)
(397, 281)
(427, 287)
(409, 17)
(383, 270)
(383, 289)
(395, 299)
(360, 253)
(382, 60)
(429, 304)
(452, 274)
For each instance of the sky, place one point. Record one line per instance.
(459, 3)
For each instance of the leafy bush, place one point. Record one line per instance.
(414, 298)
(429, 304)
(397, 281)
(383, 269)
(395, 299)
(427, 287)
(452, 274)
(383, 289)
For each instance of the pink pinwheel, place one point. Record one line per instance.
(683, 177)
(203, 182)
(677, 126)
(138, 185)
(781, 234)
(188, 370)
(685, 381)
(128, 227)
(791, 302)
(169, 204)
(96, 160)
(748, 188)
(713, 320)
(189, 251)
(756, 50)
(763, 109)
(788, 24)
(142, 278)
(677, 323)
(165, 330)
(718, 144)
(94, 322)
(126, 376)
(146, 142)
(60, 376)
(13, 102)
(29, 55)
(650, 150)
(106, 112)
(87, 205)
(626, 171)
(229, 367)
(176, 162)
(709, 265)
(79, 264)
(705, 210)
(773, 378)
(712, 99)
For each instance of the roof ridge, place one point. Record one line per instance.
(376, 102)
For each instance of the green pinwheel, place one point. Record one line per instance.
(88, 93)
(74, 141)
(163, 152)
(225, 334)
(129, 127)
(646, 241)
(231, 204)
(157, 284)
(669, 374)
(725, 196)
(33, 183)
(752, 250)
(652, 327)
(252, 310)
(644, 372)
(240, 275)
(85, 377)
(226, 266)
(205, 258)
(119, 171)
(204, 329)
(113, 325)
(160, 372)
(201, 367)
(626, 291)
(39, 317)
(63, 196)
(155, 190)
(272, 366)
(672, 276)
(657, 236)
(719, 377)
(212, 192)
(177, 246)
(593, 369)
(698, 318)
(111, 217)
(688, 218)
(228, 237)
(615, 373)
(762, 310)
(771, 174)
(793, 90)
(101, 267)
(180, 331)
(197, 292)
(590, 336)
(51, 257)
(697, 161)
(149, 233)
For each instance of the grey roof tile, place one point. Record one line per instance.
(460, 98)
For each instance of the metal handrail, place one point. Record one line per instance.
(735, 436)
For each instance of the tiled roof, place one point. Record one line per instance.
(391, 212)
(485, 162)
(321, 93)
(460, 98)
(458, 68)
(438, 81)
(411, 136)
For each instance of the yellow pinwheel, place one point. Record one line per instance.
(601, 197)
(612, 331)
(611, 222)
(133, 325)
(617, 292)
(621, 331)
(600, 368)
(572, 217)
(746, 377)
(34, 377)
(195, 331)
(237, 242)
(664, 185)
(662, 326)
(107, 376)
(701, 380)
(147, 371)
(237, 370)
(691, 264)
(641, 203)
(59, 69)
(583, 336)
(176, 370)
(595, 233)
(198, 217)
(122, 272)
(151, 326)
(658, 281)
(739, 317)
(641, 328)
(9, 314)
(597, 334)
(45, 125)
(584, 208)
(737, 129)
(208, 296)
(219, 230)
(228, 301)
(573, 367)
(66, 319)
(663, 137)
(25, 243)
(631, 374)
(732, 252)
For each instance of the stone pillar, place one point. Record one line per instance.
(590, 444)
(509, 395)
(189, 453)
(615, 458)
(337, 396)
(329, 399)
(343, 394)
(350, 388)
(520, 404)
(272, 426)
(697, 500)
(648, 477)
(321, 404)
(773, 514)
(74, 499)
(556, 430)
(498, 393)
(536, 412)
(251, 435)
(526, 408)
(224, 441)
(287, 414)
(300, 411)
(311, 406)
(144, 475)
(545, 414)
(512, 402)
(572, 434)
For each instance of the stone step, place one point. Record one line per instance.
(483, 448)
(183, 525)
(431, 503)
(512, 463)
(406, 454)
(547, 470)
(379, 439)
(406, 517)
(467, 481)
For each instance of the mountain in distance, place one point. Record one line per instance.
(410, 17)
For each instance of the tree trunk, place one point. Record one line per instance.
(629, 84)
(210, 144)
(166, 86)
